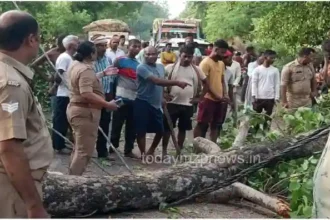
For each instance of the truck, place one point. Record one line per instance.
(175, 31)
(108, 28)
(166, 29)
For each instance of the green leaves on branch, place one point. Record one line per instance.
(294, 24)
(292, 180)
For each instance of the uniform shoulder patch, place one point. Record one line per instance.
(9, 107)
(13, 83)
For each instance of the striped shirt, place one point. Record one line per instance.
(107, 81)
(127, 79)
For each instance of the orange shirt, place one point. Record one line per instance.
(214, 71)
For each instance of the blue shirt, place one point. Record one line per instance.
(107, 81)
(126, 86)
(147, 90)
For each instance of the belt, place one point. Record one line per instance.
(85, 105)
(37, 175)
(290, 95)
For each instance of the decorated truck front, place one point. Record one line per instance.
(165, 29)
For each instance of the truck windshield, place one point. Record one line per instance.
(169, 35)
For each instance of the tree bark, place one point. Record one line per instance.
(69, 196)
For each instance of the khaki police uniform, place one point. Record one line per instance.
(83, 117)
(298, 79)
(21, 117)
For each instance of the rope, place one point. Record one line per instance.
(99, 128)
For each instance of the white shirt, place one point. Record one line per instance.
(63, 62)
(266, 83)
(229, 78)
(112, 55)
(184, 74)
(235, 68)
(251, 67)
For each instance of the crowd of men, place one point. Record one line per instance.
(145, 88)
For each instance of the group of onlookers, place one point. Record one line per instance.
(102, 72)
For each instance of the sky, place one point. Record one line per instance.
(175, 7)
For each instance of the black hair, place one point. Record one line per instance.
(13, 35)
(250, 48)
(133, 41)
(238, 53)
(188, 49)
(59, 40)
(85, 50)
(231, 49)
(145, 44)
(191, 44)
(221, 44)
(168, 44)
(122, 36)
(269, 53)
(190, 35)
(211, 45)
(306, 51)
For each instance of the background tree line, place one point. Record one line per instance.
(57, 18)
(282, 26)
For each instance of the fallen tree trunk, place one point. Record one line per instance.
(69, 196)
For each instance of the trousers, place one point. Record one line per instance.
(60, 122)
(101, 144)
(124, 114)
(84, 123)
(11, 204)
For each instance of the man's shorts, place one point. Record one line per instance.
(147, 119)
(210, 111)
(183, 113)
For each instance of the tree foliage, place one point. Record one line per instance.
(143, 24)
(294, 24)
(281, 26)
(69, 17)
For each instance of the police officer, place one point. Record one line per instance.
(298, 84)
(25, 144)
(86, 102)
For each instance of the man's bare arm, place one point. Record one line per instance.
(224, 88)
(163, 82)
(231, 92)
(58, 79)
(18, 170)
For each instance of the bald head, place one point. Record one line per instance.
(150, 49)
(150, 54)
(15, 27)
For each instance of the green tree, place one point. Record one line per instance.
(294, 24)
(69, 22)
(148, 12)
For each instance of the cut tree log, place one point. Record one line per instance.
(202, 145)
(239, 190)
(69, 196)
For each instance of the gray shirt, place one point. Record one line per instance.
(147, 90)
